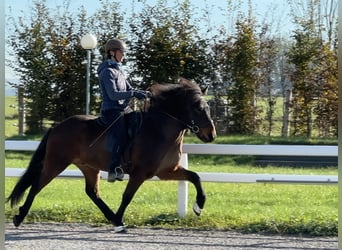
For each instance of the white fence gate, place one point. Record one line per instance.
(216, 149)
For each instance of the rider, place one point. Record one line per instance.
(116, 93)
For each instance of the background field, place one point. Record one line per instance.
(268, 208)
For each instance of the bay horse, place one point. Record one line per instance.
(154, 151)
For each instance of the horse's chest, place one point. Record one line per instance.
(171, 157)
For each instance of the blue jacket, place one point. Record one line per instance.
(116, 90)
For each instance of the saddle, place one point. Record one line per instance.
(133, 121)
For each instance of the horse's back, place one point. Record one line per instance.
(69, 140)
(76, 127)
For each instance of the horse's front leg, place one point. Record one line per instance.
(183, 174)
(200, 197)
(132, 186)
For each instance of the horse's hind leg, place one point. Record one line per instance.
(92, 177)
(183, 174)
(23, 210)
(48, 173)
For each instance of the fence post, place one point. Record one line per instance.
(183, 189)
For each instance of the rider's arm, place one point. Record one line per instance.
(112, 82)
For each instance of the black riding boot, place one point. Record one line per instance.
(115, 169)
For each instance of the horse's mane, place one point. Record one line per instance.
(166, 95)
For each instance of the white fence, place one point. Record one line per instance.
(222, 149)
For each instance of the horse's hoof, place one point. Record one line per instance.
(120, 229)
(197, 210)
(16, 222)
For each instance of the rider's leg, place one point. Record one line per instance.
(115, 170)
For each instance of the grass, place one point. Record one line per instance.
(262, 208)
(11, 116)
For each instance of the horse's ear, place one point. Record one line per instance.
(205, 90)
(182, 80)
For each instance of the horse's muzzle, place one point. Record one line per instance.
(207, 134)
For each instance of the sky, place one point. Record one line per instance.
(262, 9)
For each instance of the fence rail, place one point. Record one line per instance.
(216, 149)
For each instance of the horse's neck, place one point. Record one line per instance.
(173, 128)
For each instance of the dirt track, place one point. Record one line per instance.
(80, 236)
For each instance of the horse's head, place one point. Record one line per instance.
(185, 102)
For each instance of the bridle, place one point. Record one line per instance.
(192, 126)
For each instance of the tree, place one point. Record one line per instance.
(315, 72)
(304, 56)
(326, 111)
(68, 74)
(29, 42)
(284, 70)
(166, 46)
(50, 58)
(240, 63)
(105, 24)
(267, 57)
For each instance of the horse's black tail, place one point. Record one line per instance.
(32, 173)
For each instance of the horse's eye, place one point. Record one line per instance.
(198, 107)
(202, 108)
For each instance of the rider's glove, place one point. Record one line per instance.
(140, 94)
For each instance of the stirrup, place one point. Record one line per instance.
(119, 173)
(116, 174)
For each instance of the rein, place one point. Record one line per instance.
(193, 127)
(105, 131)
